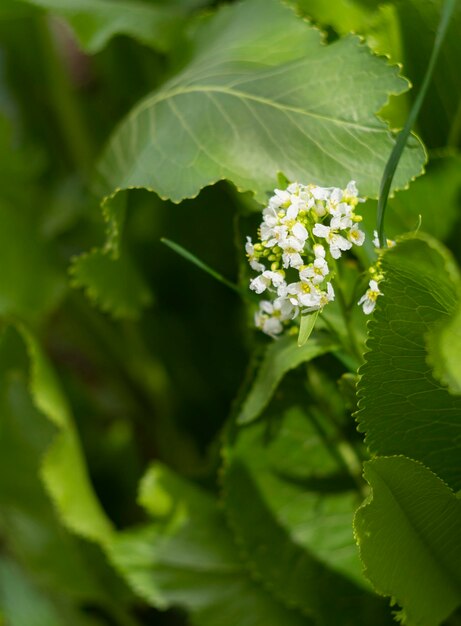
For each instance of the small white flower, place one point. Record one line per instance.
(270, 316)
(286, 308)
(270, 217)
(254, 263)
(291, 256)
(319, 251)
(300, 232)
(355, 235)
(265, 280)
(304, 294)
(320, 193)
(315, 272)
(368, 300)
(351, 190)
(341, 222)
(336, 196)
(281, 198)
(389, 242)
(337, 243)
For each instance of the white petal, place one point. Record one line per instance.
(319, 251)
(300, 232)
(368, 306)
(272, 326)
(320, 230)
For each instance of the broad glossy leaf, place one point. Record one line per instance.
(113, 284)
(445, 350)
(244, 110)
(95, 22)
(409, 533)
(403, 408)
(31, 284)
(290, 501)
(187, 558)
(64, 470)
(29, 523)
(23, 603)
(280, 357)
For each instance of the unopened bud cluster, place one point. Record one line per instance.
(304, 228)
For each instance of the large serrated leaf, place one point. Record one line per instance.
(30, 525)
(444, 352)
(409, 533)
(403, 408)
(290, 502)
(186, 558)
(242, 113)
(63, 469)
(113, 284)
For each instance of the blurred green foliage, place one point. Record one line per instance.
(160, 462)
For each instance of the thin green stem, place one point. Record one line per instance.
(455, 130)
(343, 452)
(65, 105)
(201, 265)
(354, 345)
(401, 141)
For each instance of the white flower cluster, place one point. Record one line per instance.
(291, 256)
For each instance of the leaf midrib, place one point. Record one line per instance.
(243, 95)
(447, 575)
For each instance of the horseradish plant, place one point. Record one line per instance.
(281, 448)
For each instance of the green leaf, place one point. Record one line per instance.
(22, 603)
(113, 284)
(280, 357)
(63, 469)
(444, 351)
(187, 558)
(244, 114)
(30, 527)
(31, 284)
(306, 327)
(409, 533)
(403, 408)
(290, 502)
(95, 22)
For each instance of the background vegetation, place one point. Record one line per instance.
(161, 462)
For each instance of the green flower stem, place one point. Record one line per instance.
(343, 452)
(203, 266)
(353, 345)
(347, 451)
(394, 158)
(65, 105)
